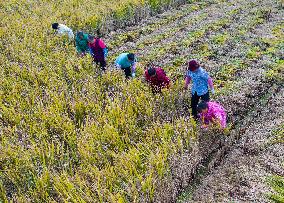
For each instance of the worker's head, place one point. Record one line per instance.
(91, 39)
(55, 26)
(151, 72)
(80, 34)
(202, 107)
(131, 57)
(193, 65)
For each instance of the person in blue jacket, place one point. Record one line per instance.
(201, 83)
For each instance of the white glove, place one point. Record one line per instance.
(212, 91)
(133, 75)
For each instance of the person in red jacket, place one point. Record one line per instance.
(157, 79)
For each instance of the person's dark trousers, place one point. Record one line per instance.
(194, 102)
(127, 72)
(102, 64)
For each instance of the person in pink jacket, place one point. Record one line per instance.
(212, 112)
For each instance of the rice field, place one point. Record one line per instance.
(72, 134)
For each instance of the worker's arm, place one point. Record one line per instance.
(147, 77)
(204, 122)
(91, 51)
(117, 63)
(90, 48)
(77, 47)
(217, 120)
(62, 29)
(59, 31)
(71, 35)
(187, 81)
(103, 46)
(117, 66)
(105, 52)
(133, 70)
(166, 81)
(211, 85)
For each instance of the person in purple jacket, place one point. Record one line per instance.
(201, 80)
(98, 50)
(212, 113)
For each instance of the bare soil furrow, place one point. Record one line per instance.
(155, 24)
(242, 21)
(241, 176)
(251, 104)
(216, 12)
(179, 50)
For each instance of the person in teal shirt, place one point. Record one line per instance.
(82, 43)
(127, 62)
